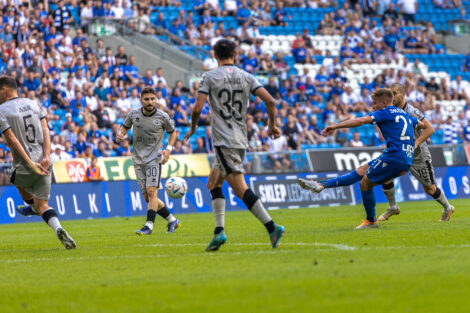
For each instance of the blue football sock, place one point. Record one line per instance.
(368, 199)
(344, 180)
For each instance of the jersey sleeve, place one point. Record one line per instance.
(169, 125)
(4, 124)
(414, 120)
(417, 113)
(204, 87)
(378, 116)
(254, 84)
(128, 121)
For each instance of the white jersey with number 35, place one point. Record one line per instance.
(229, 89)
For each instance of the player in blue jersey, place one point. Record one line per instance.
(397, 128)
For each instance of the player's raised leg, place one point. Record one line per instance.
(254, 204)
(27, 209)
(214, 184)
(343, 180)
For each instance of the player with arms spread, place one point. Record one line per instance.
(421, 168)
(229, 89)
(149, 125)
(397, 128)
(24, 127)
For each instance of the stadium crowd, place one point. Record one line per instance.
(87, 92)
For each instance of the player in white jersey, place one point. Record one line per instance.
(24, 127)
(149, 125)
(229, 89)
(421, 168)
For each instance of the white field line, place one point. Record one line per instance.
(317, 244)
(113, 257)
(223, 253)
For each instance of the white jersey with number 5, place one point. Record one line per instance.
(229, 89)
(23, 116)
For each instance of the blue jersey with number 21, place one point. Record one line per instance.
(397, 128)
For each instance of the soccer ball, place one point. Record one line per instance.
(176, 187)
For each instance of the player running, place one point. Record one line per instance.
(229, 89)
(149, 126)
(24, 127)
(422, 167)
(397, 128)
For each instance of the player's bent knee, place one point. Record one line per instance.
(432, 190)
(217, 193)
(388, 185)
(151, 192)
(365, 184)
(146, 197)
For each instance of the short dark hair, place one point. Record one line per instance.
(147, 90)
(8, 81)
(225, 49)
(383, 92)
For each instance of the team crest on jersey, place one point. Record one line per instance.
(156, 122)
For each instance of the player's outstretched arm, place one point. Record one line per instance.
(171, 142)
(195, 113)
(122, 132)
(273, 130)
(355, 122)
(15, 145)
(428, 130)
(46, 145)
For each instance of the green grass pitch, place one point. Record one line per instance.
(412, 263)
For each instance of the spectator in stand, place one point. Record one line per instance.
(466, 63)
(451, 130)
(293, 133)
(93, 172)
(466, 133)
(125, 149)
(300, 53)
(447, 4)
(230, 7)
(457, 89)
(160, 21)
(199, 146)
(272, 88)
(59, 154)
(123, 105)
(210, 63)
(408, 8)
(280, 16)
(356, 142)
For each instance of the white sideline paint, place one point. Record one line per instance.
(317, 244)
(204, 254)
(224, 253)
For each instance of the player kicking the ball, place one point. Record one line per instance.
(421, 168)
(397, 128)
(149, 126)
(229, 89)
(25, 130)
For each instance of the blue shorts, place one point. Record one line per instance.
(380, 172)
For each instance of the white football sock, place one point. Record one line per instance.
(218, 208)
